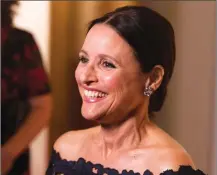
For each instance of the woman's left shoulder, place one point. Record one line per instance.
(173, 158)
(169, 154)
(178, 161)
(174, 161)
(167, 161)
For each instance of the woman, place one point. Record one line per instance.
(25, 93)
(126, 62)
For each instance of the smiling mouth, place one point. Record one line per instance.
(94, 94)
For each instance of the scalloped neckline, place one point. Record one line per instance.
(101, 167)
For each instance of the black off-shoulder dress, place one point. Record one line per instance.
(60, 166)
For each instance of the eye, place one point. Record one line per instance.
(83, 59)
(108, 64)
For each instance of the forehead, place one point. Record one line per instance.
(105, 40)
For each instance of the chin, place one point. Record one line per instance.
(89, 117)
(93, 116)
(101, 117)
(94, 111)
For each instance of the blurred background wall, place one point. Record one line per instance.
(189, 111)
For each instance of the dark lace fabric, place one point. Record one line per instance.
(60, 166)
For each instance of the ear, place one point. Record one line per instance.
(155, 77)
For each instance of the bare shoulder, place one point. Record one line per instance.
(173, 158)
(166, 153)
(160, 159)
(69, 144)
(173, 155)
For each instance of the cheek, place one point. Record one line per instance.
(123, 83)
(113, 81)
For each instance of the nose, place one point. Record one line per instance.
(88, 75)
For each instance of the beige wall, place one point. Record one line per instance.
(34, 17)
(189, 111)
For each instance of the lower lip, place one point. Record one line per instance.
(92, 100)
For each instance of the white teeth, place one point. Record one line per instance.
(88, 93)
(94, 94)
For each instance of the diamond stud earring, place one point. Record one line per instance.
(148, 91)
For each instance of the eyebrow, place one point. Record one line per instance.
(108, 56)
(101, 55)
(83, 52)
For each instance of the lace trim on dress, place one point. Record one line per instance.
(59, 166)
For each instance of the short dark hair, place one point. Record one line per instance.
(7, 12)
(152, 38)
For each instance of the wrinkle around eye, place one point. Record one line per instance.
(108, 65)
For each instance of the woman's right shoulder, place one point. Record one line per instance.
(70, 142)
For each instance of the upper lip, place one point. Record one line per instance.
(91, 89)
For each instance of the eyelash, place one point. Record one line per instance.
(104, 63)
(82, 59)
(108, 64)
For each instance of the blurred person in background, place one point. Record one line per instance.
(25, 93)
(125, 65)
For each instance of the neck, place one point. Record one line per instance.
(125, 135)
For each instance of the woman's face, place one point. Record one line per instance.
(108, 75)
